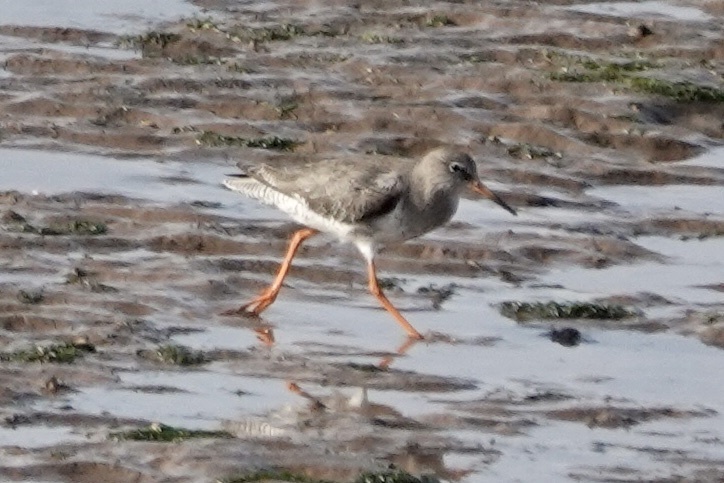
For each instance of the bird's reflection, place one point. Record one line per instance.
(339, 414)
(265, 335)
(380, 425)
(361, 402)
(387, 361)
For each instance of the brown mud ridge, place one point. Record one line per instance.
(552, 101)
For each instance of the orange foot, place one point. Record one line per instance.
(256, 306)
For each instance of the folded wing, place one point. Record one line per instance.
(348, 193)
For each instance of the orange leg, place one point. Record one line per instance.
(267, 297)
(377, 292)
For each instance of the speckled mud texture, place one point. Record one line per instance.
(580, 341)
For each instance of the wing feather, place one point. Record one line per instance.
(347, 192)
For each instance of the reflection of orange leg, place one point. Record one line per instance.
(377, 292)
(265, 335)
(267, 297)
(401, 351)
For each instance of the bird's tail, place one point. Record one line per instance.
(241, 183)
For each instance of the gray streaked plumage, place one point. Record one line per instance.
(345, 192)
(363, 202)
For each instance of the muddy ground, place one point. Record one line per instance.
(120, 250)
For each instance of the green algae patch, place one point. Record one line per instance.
(285, 31)
(524, 311)
(199, 60)
(372, 38)
(75, 227)
(627, 74)
(65, 353)
(166, 434)
(387, 476)
(30, 297)
(177, 355)
(531, 151)
(439, 20)
(17, 223)
(679, 91)
(273, 33)
(153, 41)
(369, 368)
(197, 24)
(394, 476)
(272, 475)
(213, 139)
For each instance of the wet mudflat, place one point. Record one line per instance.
(578, 341)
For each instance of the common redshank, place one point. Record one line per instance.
(369, 203)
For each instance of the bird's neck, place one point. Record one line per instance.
(426, 190)
(436, 201)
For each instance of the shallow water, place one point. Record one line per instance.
(628, 368)
(647, 9)
(635, 369)
(201, 399)
(14, 44)
(38, 436)
(484, 392)
(651, 200)
(48, 173)
(131, 16)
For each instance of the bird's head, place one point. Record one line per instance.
(460, 172)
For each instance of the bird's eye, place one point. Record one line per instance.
(460, 171)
